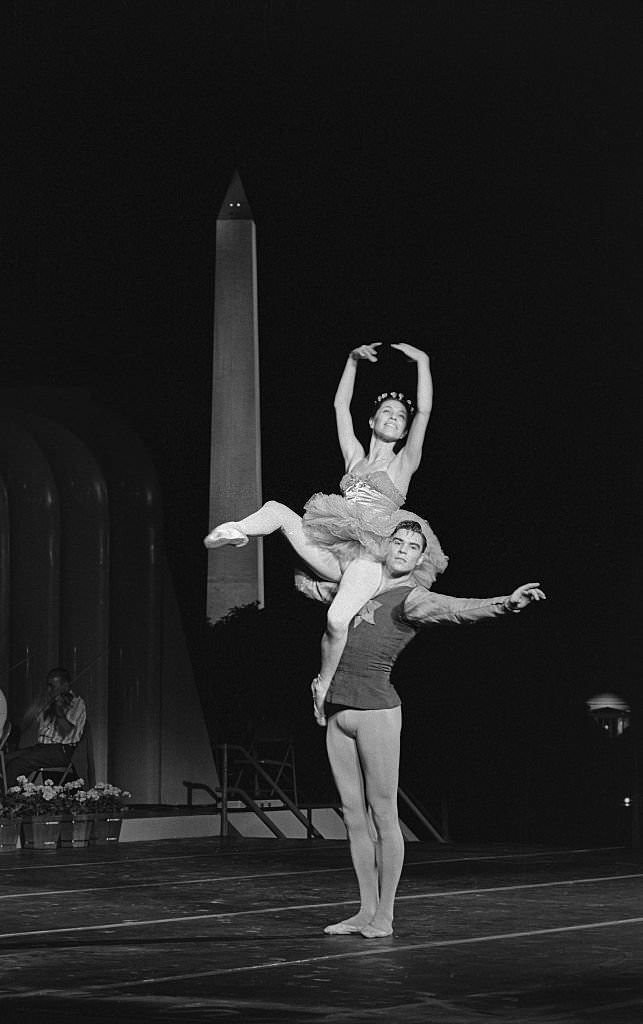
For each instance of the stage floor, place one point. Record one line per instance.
(212, 930)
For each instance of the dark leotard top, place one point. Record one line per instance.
(376, 636)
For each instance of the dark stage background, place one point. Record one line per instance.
(464, 176)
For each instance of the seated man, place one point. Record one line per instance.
(60, 726)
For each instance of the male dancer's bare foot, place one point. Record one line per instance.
(351, 926)
(319, 691)
(377, 930)
(227, 533)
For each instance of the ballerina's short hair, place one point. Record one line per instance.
(399, 397)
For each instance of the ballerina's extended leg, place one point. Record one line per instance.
(268, 519)
(357, 585)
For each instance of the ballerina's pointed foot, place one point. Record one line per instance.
(371, 931)
(227, 533)
(319, 691)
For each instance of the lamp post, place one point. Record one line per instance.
(613, 716)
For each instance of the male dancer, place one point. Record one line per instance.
(364, 716)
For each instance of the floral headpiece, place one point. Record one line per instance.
(398, 396)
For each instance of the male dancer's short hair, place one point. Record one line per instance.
(414, 527)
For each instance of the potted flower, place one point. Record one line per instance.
(108, 804)
(42, 808)
(77, 823)
(11, 811)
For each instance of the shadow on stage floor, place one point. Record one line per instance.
(215, 930)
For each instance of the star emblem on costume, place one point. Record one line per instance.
(367, 613)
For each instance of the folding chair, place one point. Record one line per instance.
(80, 766)
(275, 752)
(57, 775)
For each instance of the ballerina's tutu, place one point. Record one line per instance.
(361, 520)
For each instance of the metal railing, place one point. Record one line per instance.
(223, 794)
(422, 816)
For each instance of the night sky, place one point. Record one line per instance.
(464, 176)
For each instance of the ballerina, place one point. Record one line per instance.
(344, 538)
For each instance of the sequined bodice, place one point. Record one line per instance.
(375, 489)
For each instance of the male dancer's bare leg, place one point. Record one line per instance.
(378, 747)
(344, 761)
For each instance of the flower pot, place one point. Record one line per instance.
(76, 830)
(107, 828)
(41, 832)
(9, 834)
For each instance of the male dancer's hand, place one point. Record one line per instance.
(524, 595)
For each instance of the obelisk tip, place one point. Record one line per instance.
(235, 206)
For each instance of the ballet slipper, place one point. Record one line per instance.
(227, 533)
(351, 926)
(319, 691)
(343, 928)
(370, 932)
